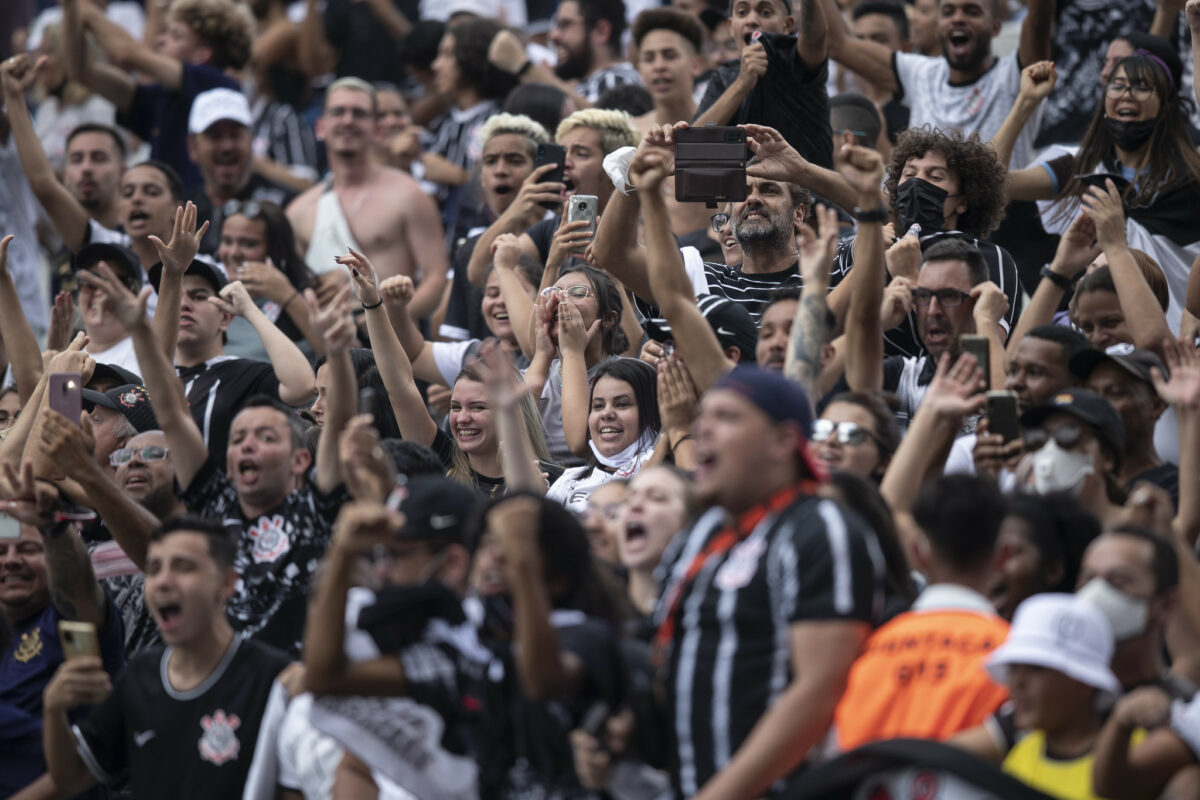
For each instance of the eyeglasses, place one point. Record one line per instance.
(251, 209)
(947, 298)
(609, 511)
(147, 454)
(6, 417)
(1067, 437)
(719, 221)
(847, 432)
(577, 292)
(1138, 91)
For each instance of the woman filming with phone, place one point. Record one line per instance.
(1137, 141)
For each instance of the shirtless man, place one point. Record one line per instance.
(377, 210)
(667, 46)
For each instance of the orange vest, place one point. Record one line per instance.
(921, 675)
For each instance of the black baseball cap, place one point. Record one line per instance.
(115, 373)
(206, 270)
(132, 401)
(1086, 406)
(1134, 360)
(729, 320)
(120, 259)
(435, 508)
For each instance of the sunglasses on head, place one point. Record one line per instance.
(847, 432)
(1067, 437)
(250, 209)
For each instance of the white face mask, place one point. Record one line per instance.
(1127, 615)
(1059, 470)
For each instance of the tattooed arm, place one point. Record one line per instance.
(807, 339)
(73, 587)
(812, 43)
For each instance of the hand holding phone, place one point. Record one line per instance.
(977, 346)
(79, 639)
(66, 394)
(583, 207)
(1002, 415)
(551, 154)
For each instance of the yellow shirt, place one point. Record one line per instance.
(1069, 779)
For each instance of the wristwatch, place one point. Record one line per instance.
(1061, 281)
(871, 215)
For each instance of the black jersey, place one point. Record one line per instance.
(194, 744)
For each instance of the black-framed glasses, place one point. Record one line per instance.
(1067, 437)
(847, 432)
(251, 209)
(148, 454)
(719, 221)
(577, 292)
(1138, 91)
(947, 298)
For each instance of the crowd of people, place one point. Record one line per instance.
(339, 460)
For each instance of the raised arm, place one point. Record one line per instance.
(812, 45)
(1166, 17)
(70, 218)
(313, 51)
(779, 161)
(507, 53)
(397, 293)
(297, 384)
(360, 527)
(1076, 249)
(1037, 82)
(506, 254)
(506, 392)
(669, 283)
(618, 253)
(953, 393)
(127, 53)
(176, 257)
(1035, 31)
(726, 105)
(337, 329)
(872, 61)
(394, 368)
(188, 451)
(1144, 316)
(1193, 20)
(803, 361)
(426, 242)
(864, 335)
(24, 354)
(1122, 772)
(113, 83)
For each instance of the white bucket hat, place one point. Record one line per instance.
(1060, 632)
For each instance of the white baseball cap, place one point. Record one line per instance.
(1061, 632)
(215, 105)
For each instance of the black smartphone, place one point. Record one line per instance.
(594, 722)
(1003, 417)
(710, 164)
(977, 346)
(1098, 179)
(551, 154)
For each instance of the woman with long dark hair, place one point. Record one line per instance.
(258, 248)
(622, 426)
(1139, 140)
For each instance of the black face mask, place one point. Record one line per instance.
(1129, 136)
(918, 200)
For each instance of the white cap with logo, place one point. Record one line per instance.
(215, 105)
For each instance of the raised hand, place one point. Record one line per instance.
(77, 682)
(897, 303)
(506, 251)
(862, 168)
(234, 299)
(506, 53)
(677, 397)
(363, 276)
(19, 73)
(263, 280)
(1193, 14)
(1182, 390)
(128, 308)
(777, 160)
(1107, 211)
(954, 391)
(1077, 248)
(397, 290)
(177, 254)
(648, 170)
(571, 238)
(73, 359)
(990, 304)
(68, 443)
(333, 322)
(754, 65)
(536, 195)
(500, 378)
(366, 467)
(31, 502)
(572, 336)
(1038, 80)
(62, 320)
(362, 526)
(904, 257)
(819, 248)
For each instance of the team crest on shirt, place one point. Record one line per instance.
(270, 541)
(219, 743)
(741, 565)
(30, 646)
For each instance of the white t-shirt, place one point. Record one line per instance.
(120, 354)
(980, 107)
(575, 486)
